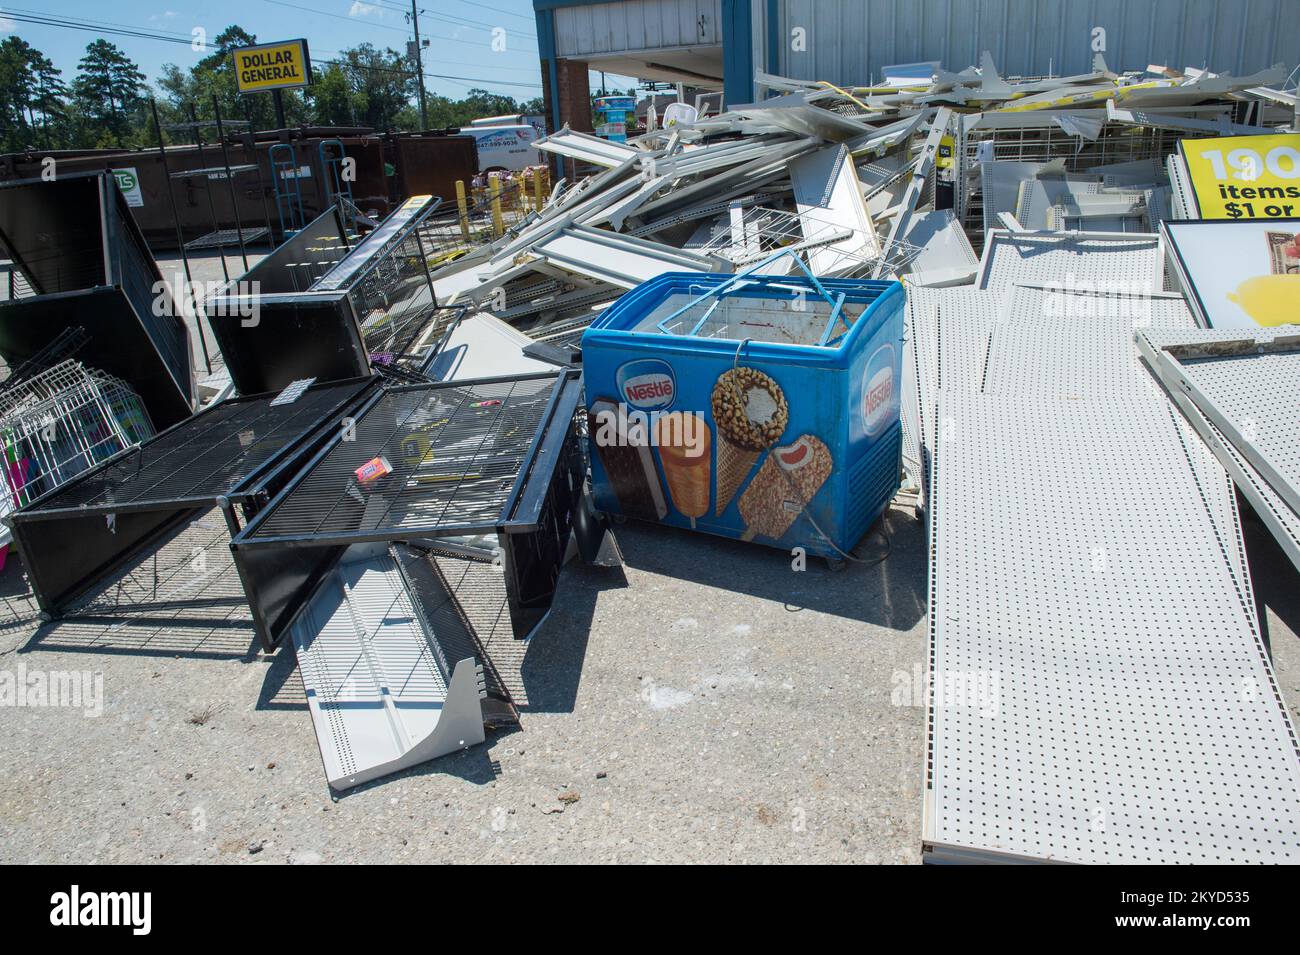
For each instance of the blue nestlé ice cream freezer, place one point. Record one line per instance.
(752, 406)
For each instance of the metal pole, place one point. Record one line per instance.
(463, 207)
(278, 98)
(207, 186)
(419, 66)
(180, 239)
(261, 183)
(230, 180)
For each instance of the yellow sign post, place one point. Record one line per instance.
(1245, 177)
(272, 66)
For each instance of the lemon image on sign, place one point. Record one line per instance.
(1269, 299)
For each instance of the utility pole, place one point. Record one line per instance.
(419, 66)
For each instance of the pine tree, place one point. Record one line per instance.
(108, 90)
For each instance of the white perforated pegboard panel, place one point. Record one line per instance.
(1102, 695)
(1254, 399)
(1038, 197)
(1087, 260)
(1282, 521)
(1074, 344)
(1070, 343)
(1180, 188)
(910, 410)
(948, 351)
(1051, 358)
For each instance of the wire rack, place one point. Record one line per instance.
(1044, 143)
(408, 337)
(764, 230)
(207, 456)
(450, 233)
(180, 596)
(61, 422)
(448, 456)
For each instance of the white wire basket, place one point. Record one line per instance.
(62, 421)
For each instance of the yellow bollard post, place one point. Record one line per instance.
(463, 205)
(498, 225)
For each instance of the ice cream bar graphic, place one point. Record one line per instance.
(750, 412)
(685, 454)
(783, 487)
(627, 461)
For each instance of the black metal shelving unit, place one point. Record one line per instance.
(79, 249)
(233, 455)
(496, 456)
(322, 303)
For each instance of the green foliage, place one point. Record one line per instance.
(33, 111)
(107, 103)
(108, 91)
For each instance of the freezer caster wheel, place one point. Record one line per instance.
(836, 564)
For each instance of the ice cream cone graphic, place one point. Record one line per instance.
(750, 412)
(788, 480)
(734, 463)
(683, 440)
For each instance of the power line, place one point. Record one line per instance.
(483, 6)
(42, 21)
(448, 18)
(187, 36)
(384, 26)
(97, 27)
(509, 13)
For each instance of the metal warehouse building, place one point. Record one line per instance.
(717, 44)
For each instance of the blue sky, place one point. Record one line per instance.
(459, 31)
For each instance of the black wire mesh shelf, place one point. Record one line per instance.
(84, 258)
(234, 455)
(323, 303)
(410, 339)
(428, 463)
(217, 453)
(453, 457)
(227, 237)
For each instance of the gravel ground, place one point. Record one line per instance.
(704, 703)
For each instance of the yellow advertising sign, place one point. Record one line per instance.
(1245, 177)
(947, 149)
(272, 66)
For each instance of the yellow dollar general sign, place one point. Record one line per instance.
(1245, 177)
(272, 66)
